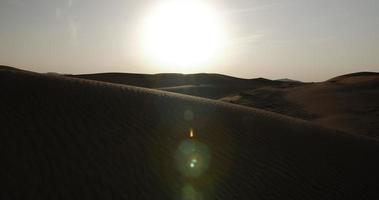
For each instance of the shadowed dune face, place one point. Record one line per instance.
(63, 138)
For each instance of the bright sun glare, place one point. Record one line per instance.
(182, 35)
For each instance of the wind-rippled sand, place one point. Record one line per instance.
(68, 138)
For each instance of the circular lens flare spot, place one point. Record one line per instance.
(193, 162)
(192, 158)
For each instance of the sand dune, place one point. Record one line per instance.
(213, 86)
(69, 138)
(171, 80)
(349, 102)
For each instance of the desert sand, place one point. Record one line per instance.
(71, 138)
(349, 103)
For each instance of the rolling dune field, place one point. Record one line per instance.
(70, 138)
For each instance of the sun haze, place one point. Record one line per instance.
(303, 40)
(182, 35)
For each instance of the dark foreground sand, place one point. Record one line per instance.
(67, 138)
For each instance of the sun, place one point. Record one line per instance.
(182, 35)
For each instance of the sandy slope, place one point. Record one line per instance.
(213, 86)
(349, 102)
(63, 138)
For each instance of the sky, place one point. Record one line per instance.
(305, 40)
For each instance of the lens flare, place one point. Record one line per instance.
(192, 158)
(193, 162)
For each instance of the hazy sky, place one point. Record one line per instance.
(306, 40)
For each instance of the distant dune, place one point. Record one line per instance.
(171, 80)
(4, 67)
(212, 86)
(71, 138)
(354, 76)
(349, 102)
(288, 80)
